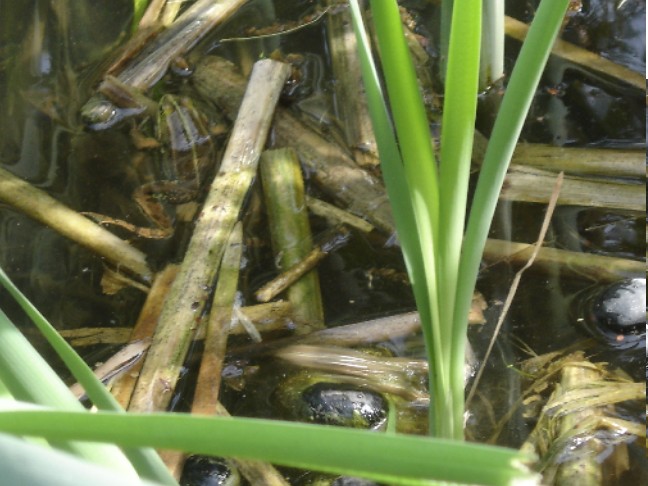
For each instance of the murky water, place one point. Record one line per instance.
(50, 61)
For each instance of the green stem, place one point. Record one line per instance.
(388, 458)
(508, 125)
(457, 133)
(420, 171)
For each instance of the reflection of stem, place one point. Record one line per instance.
(42, 207)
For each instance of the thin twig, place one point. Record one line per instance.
(516, 281)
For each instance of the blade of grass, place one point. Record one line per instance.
(393, 173)
(146, 462)
(458, 126)
(53, 467)
(508, 125)
(420, 174)
(26, 375)
(390, 458)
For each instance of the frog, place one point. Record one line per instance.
(187, 149)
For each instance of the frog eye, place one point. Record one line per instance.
(99, 114)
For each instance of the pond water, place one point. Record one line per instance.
(51, 59)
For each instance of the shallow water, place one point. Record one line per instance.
(94, 172)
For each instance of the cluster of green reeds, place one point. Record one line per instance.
(429, 197)
(429, 200)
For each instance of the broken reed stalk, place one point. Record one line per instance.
(149, 65)
(273, 316)
(209, 375)
(565, 436)
(583, 467)
(330, 241)
(604, 162)
(596, 268)
(580, 161)
(533, 185)
(360, 333)
(217, 327)
(335, 215)
(144, 328)
(332, 169)
(283, 189)
(404, 377)
(582, 57)
(43, 208)
(350, 101)
(189, 293)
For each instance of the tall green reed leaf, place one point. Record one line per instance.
(26, 375)
(389, 458)
(42, 385)
(420, 172)
(439, 201)
(457, 130)
(508, 125)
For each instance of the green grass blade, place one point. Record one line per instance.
(508, 125)
(94, 388)
(457, 133)
(26, 375)
(415, 144)
(48, 389)
(394, 176)
(54, 468)
(394, 459)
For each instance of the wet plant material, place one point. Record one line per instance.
(577, 428)
(364, 279)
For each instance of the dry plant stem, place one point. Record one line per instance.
(335, 215)
(516, 281)
(366, 332)
(597, 268)
(208, 385)
(292, 275)
(283, 189)
(47, 210)
(401, 376)
(150, 64)
(119, 363)
(217, 327)
(351, 103)
(588, 60)
(152, 14)
(331, 241)
(582, 161)
(531, 185)
(364, 195)
(604, 162)
(184, 304)
(144, 328)
(89, 336)
(273, 316)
